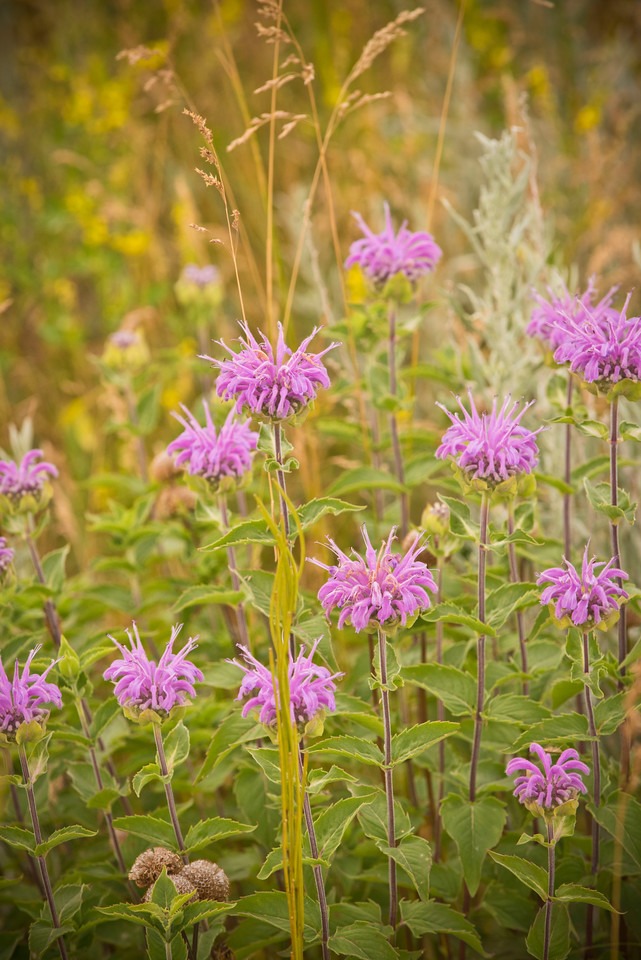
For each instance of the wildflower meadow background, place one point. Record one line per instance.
(319, 579)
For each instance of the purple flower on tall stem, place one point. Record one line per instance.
(142, 684)
(381, 589)
(603, 349)
(311, 687)
(490, 448)
(214, 455)
(201, 277)
(551, 784)
(553, 319)
(383, 255)
(587, 599)
(25, 479)
(27, 696)
(6, 556)
(272, 384)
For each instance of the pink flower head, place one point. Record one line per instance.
(25, 698)
(274, 385)
(552, 320)
(552, 786)
(382, 588)
(382, 255)
(604, 348)
(586, 599)
(6, 556)
(212, 455)
(490, 446)
(311, 687)
(143, 684)
(201, 277)
(27, 478)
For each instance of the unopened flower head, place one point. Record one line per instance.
(311, 688)
(214, 455)
(382, 256)
(380, 589)
(126, 350)
(544, 788)
(200, 276)
(25, 485)
(26, 697)
(605, 349)
(554, 319)
(586, 599)
(142, 684)
(199, 286)
(271, 384)
(6, 557)
(490, 448)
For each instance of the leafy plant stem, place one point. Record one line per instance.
(567, 477)
(616, 554)
(241, 613)
(480, 646)
(167, 950)
(396, 443)
(547, 931)
(514, 577)
(389, 779)
(596, 765)
(440, 715)
(280, 476)
(51, 614)
(169, 793)
(42, 863)
(317, 870)
(269, 254)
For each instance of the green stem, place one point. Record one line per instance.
(614, 527)
(389, 779)
(567, 477)
(440, 715)
(42, 863)
(169, 793)
(514, 577)
(596, 772)
(547, 932)
(317, 870)
(241, 614)
(480, 647)
(396, 443)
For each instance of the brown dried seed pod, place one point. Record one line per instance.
(181, 883)
(163, 467)
(209, 879)
(148, 866)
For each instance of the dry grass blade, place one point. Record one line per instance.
(381, 40)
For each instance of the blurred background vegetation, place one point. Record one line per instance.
(99, 189)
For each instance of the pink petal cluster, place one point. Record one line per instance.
(382, 255)
(272, 384)
(27, 477)
(201, 277)
(27, 696)
(588, 597)
(553, 319)
(311, 687)
(143, 684)
(6, 556)
(553, 785)
(605, 348)
(381, 588)
(210, 454)
(490, 446)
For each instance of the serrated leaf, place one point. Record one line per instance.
(212, 830)
(475, 827)
(271, 907)
(574, 893)
(231, 732)
(529, 873)
(364, 478)
(455, 688)
(334, 820)
(414, 855)
(176, 746)
(621, 817)
(565, 727)
(451, 613)
(429, 917)
(414, 740)
(363, 941)
(18, 837)
(560, 934)
(373, 819)
(312, 511)
(157, 946)
(516, 708)
(353, 747)
(599, 496)
(53, 565)
(150, 828)
(42, 935)
(146, 774)
(204, 594)
(72, 832)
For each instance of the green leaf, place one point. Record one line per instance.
(149, 409)
(363, 941)
(149, 828)
(150, 771)
(156, 946)
(621, 817)
(105, 714)
(18, 837)
(564, 728)
(164, 891)
(176, 746)
(353, 747)
(334, 820)
(42, 935)
(529, 873)
(73, 832)
(69, 900)
(231, 732)
(212, 830)
(461, 523)
(143, 914)
(599, 496)
(373, 819)
(248, 531)
(560, 934)
(425, 917)
(364, 478)
(103, 799)
(414, 855)
(271, 907)
(609, 713)
(475, 827)
(312, 511)
(451, 613)
(573, 893)
(53, 565)
(516, 708)
(267, 760)
(414, 740)
(455, 688)
(204, 594)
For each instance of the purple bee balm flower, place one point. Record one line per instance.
(6, 556)
(552, 786)
(200, 276)
(491, 447)
(381, 589)
(553, 319)
(210, 454)
(273, 385)
(143, 684)
(28, 478)
(382, 255)
(586, 600)
(603, 349)
(311, 687)
(26, 697)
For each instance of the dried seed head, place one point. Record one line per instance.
(163, 468)
(148, 866)
(222, 952)
(209, 879)
(181, 883)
